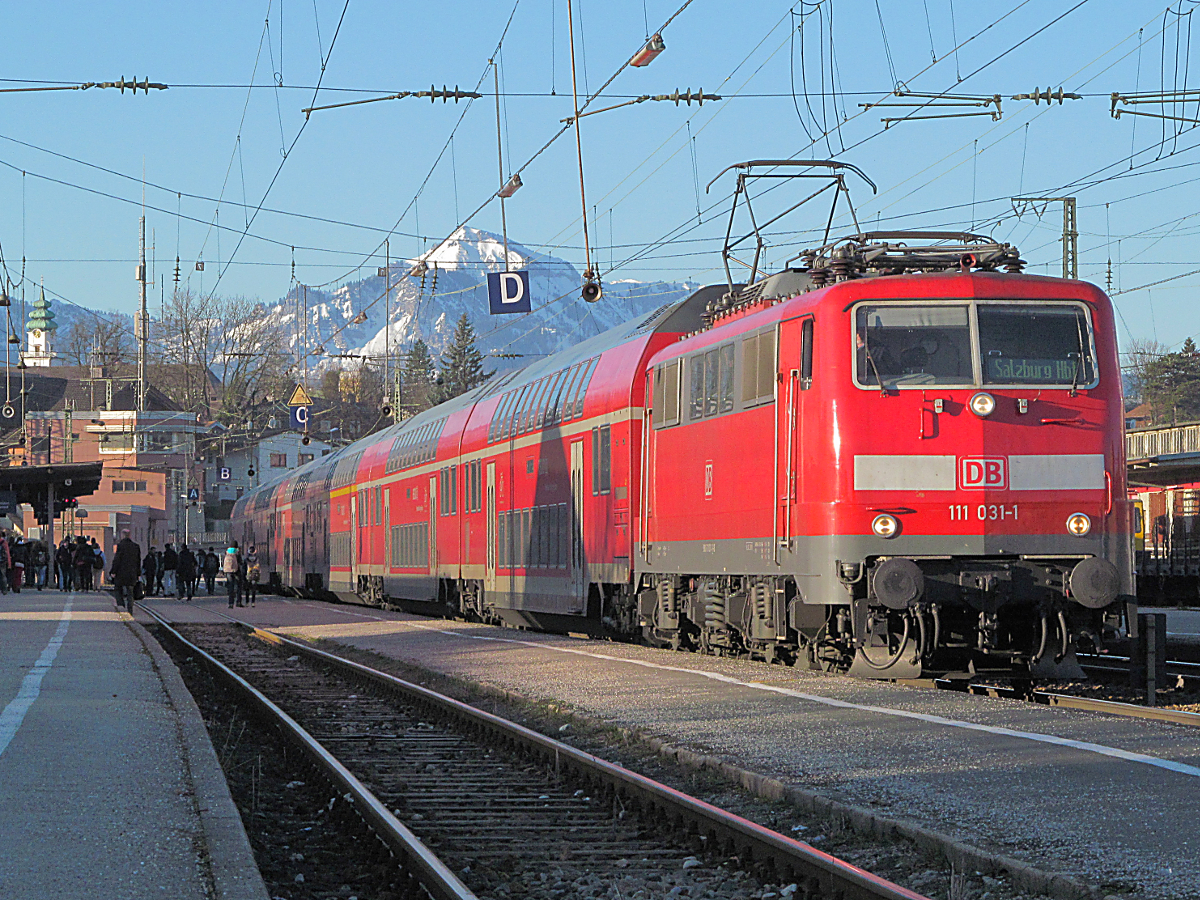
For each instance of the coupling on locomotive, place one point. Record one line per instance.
(900, 456)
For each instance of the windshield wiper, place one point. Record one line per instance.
(874, 368)
(1079, 361)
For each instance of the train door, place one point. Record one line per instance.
(354, 540)
(794, 348)
(489, 574)
(433, 517)
(579, 583)
(387, 530)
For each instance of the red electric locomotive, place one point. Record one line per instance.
(894, 459)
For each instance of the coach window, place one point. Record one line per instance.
(696, 386)
(758, 368)
(453, 490)
(666, 394)
(806, 354)
(601, 460)
(711, 383)
(510, 414)
(584, 381)
(725, 400)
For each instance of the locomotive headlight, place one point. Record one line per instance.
(1078, 524)
(885, 526)
(983, 404)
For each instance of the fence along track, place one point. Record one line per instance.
(721, 833)
(422, 865)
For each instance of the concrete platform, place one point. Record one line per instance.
(1182, 624)
(109, 785)
(1111, 800)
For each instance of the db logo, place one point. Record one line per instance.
(982, 472)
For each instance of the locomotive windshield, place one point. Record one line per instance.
(913, 345)
(910, 344)
(1035, 344)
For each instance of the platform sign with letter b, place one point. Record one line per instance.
(508, 292)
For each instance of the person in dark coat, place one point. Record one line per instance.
(19, 551)
(159, 573)
(149, 569)
(169, 562)
(126, 569)
(64, 564)
(185, 570)
(82, 560)
(212, 565)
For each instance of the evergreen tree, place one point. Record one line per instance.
(462, 363)
(1172, 385)
(417, 376)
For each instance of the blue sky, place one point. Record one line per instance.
(77, 225)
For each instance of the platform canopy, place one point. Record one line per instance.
(29, 483)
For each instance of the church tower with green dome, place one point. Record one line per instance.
(39, 328)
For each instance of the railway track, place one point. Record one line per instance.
(492, 807)
(1184, 674)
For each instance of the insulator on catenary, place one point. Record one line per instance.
(687, 96)
(1037, 96)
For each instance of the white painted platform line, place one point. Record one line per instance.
(1086, 746)
(31, 685)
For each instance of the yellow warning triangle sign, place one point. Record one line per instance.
(300, 397)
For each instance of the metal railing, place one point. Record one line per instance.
(1140, 445)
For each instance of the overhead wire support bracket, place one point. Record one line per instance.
(1160, 97)
(677, 96)
(145, 86)
(923, 101)
(445, 94)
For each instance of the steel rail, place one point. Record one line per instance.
(818, 873)
(1063, 701)
(417, 860)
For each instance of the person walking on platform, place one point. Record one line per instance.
(148, 570)
(98, 563)
(169, 562)
(198, 556)
(185, 571)
(159, 573)
(5, 562)
(63, 565)
(126, 568)
(82, 561)
(38, 563)
(232, 566)
(212, 566)
(20, 559)
(252, 575)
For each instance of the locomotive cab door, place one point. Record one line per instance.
(794, 378)
(489, 573)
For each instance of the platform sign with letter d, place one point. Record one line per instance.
(508, 292)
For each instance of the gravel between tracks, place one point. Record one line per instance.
(898, 860)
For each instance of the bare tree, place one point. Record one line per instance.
(223, 356)
(104, 341)
(1141, 353)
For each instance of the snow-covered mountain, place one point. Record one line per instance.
(352, 318)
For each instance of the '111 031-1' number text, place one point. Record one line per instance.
(997, 512)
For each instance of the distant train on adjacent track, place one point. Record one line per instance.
(901, 457)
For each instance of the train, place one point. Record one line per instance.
(901, 457)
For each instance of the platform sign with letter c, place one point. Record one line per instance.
(508, 292)
(298, 405)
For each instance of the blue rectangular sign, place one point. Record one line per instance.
(299, 415)
(508, 292)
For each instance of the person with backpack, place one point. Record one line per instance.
(38, 568)
(253, 573)
(97, 563)
(5, 562)
(232, 566)
(212, 565)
